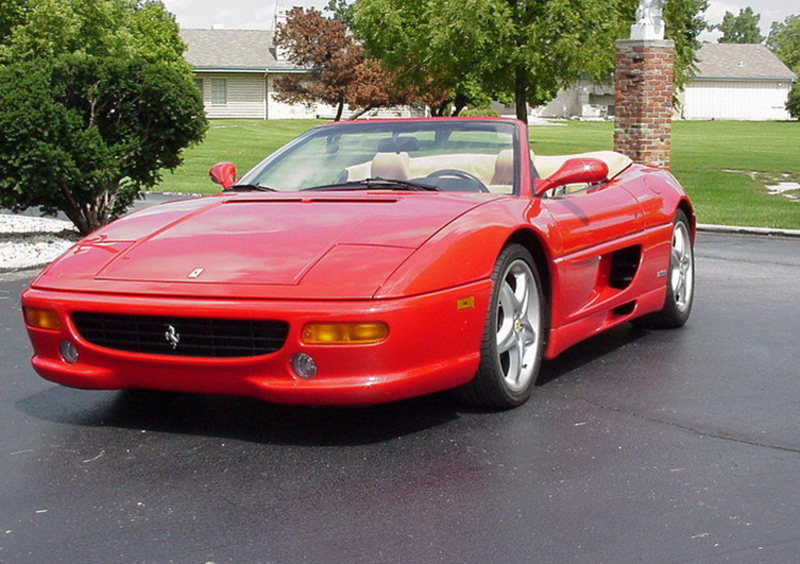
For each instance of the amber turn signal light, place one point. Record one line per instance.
(42, 318)
(345, 333)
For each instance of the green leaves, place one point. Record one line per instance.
(784, 41)
(742, 28)
(95, 100)
(502, 49)
(114, 28)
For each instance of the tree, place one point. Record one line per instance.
(684, 24)
(401, 34)
(113, 28)
(11, 15)
(85, 134)
(740, 29)
(784, 41)
(95, 100)
(341, 10)
(793, 103)
(521, 50)
(340, 73)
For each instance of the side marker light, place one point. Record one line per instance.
(466, 303)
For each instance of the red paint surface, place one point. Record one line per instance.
(402, 258)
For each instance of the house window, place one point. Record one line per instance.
(219, 91)
(198, 82)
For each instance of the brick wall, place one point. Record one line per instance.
(643, 100)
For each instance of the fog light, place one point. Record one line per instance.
(42, 318)
(304, 366)
(345, 333)
(68, 352)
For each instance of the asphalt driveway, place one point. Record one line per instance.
(656, 447)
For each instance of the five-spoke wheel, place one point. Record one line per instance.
(680, 281)
(518, 326)
(514, 334)
(682, 267)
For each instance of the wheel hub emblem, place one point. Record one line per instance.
(517, 326)
(172, 336)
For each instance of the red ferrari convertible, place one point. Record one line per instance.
(367, 262)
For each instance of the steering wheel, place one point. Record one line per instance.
(452, 181)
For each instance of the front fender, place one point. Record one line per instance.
(465, 250)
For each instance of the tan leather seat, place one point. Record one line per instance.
(504, 168)
(394, 166)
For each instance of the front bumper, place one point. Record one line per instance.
(433, 345)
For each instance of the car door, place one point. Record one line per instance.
(600, 228)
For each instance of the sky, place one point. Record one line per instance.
(259, 14)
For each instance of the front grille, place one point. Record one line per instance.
(182, 336)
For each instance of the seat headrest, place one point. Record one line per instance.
(504, 168)
(393, 166)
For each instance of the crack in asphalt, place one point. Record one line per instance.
(741, 551)
(713, 433)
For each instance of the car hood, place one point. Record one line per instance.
(270, 246)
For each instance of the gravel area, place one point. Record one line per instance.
(28, 242)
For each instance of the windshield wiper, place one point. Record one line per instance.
(379, 183)
(249, 188)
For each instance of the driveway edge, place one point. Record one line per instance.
(740, 230)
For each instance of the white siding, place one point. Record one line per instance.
(246, 95)
(740, 100)
(281, 110)
(392, 113)
(564, 105)
(583, 99)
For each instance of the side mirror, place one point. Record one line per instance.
(223, 174)
(574, 171)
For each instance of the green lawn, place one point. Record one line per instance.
(703, 156)
(240, 141)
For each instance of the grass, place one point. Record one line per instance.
(715, 161)
(241, 141)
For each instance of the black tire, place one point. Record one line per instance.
(513, 337)
(680, 281)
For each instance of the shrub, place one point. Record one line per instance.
(486, 111)
(793, 103)
(85, 135)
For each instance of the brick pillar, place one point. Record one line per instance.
(643, 100)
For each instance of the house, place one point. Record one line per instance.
(236, 71)
(733, 81)
(738, 81)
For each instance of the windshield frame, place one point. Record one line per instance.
(397, 126)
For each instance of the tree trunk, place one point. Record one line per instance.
(521, 94)
(441, 109)
(358, 113)
(340, 109)
(459, 103)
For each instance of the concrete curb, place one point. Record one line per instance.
(741, 230)
(24, 269)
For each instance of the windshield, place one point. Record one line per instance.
(468, 155)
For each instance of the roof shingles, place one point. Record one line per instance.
(743, 61)
(231, 49)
